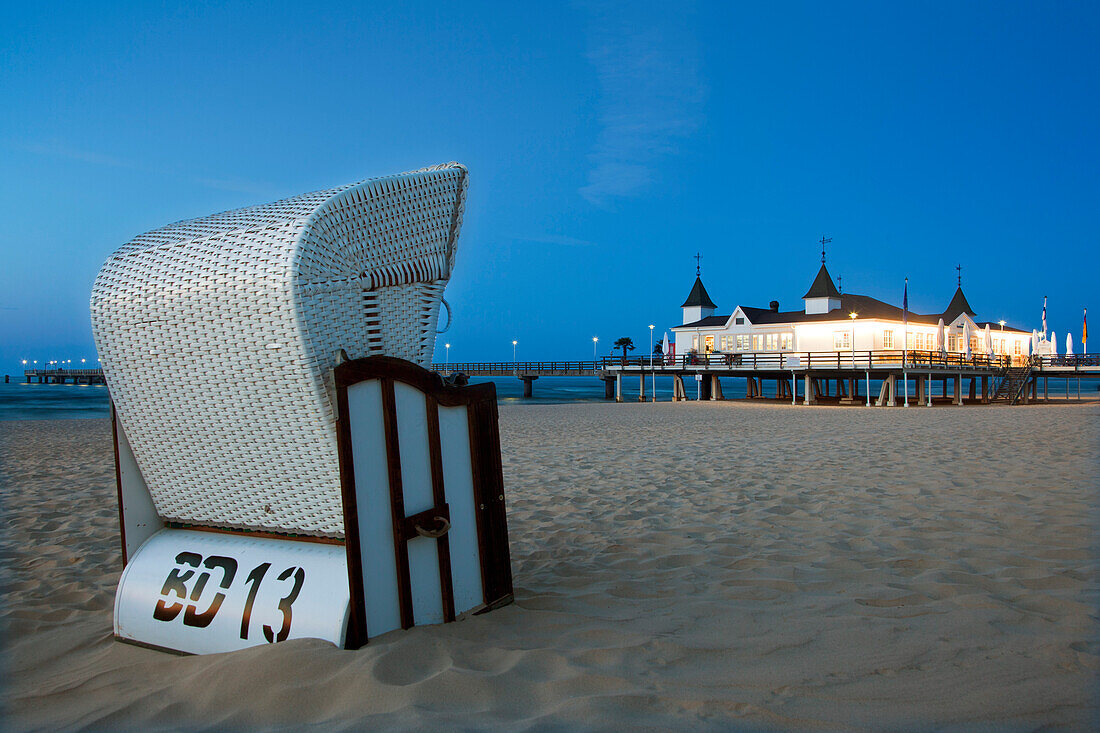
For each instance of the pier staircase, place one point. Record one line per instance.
(1012, 385)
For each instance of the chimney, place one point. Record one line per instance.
(774, 305)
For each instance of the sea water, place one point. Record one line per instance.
(21, 401)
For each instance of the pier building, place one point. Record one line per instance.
(829, 320)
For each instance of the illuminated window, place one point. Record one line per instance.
(695, 342)
(709, 342)
(842, 340)
(786, 341)
(771, 341)
(743, 342)
(758, 342)
(1016, 348)
(888, 339)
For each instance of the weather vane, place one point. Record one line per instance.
(959, 267)
(824, 241)
(697, 258)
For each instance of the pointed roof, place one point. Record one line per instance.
(958, 305)
(698, 296)
(823, 286)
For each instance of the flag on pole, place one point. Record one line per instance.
(1085, 331)
(1044, 316)
(905, 326)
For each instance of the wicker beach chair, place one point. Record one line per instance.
(228, 344)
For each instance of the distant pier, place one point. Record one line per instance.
(64, 376)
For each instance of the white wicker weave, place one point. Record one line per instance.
(218, 337)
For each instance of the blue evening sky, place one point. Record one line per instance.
(607, 143)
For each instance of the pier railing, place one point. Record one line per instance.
(1076, 362)
(508, 368)
(748, 362)
(808, 360)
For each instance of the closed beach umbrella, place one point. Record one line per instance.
(664, 345)
(1069, 344)
(1053, 344)
(966, 338)
(988, 341)
(941, 340)
(1034, 345)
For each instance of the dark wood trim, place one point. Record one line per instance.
(263, 534)
(480, 507)
(397, 503)
(118, 485)
(388, 367)
(493, 475)
(356, 634)
(439, 495)
(488, 481)
(154, 647)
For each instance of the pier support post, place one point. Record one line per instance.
(892, 386)
(619, 387)
(716, 388)
(920, 390)
(958, 389)
(528, 385)
(1046, 389)
(678, 393)
(973, 388)
(985, 390)
(811, 390)
(641, 387)
(608, 388)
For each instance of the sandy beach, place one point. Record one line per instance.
(689, 566)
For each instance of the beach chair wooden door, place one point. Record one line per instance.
(425, 526)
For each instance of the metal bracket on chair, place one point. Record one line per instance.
(433, 523)
(450, 316)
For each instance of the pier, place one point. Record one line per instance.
(64, 376)
(808, 378)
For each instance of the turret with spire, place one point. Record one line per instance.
(822, 296)
(958, 302)
(698, 304)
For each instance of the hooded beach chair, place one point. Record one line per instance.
(268, 491)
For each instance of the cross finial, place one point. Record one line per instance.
(697, 258)
(824, 241)
(959, 268)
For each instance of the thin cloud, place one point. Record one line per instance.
(59, 150)
(558, 239)
(651, 97)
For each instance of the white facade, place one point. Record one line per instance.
(759, 330)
